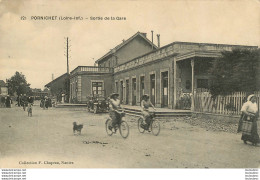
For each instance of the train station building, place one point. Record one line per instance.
(137, 66)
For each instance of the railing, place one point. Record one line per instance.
(91, 69)
(230, 104)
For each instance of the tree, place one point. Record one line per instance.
(18, 84)
(235, 71)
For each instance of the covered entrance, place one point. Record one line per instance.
(190, 75)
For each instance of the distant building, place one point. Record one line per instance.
(3, 88)
(38, 93)
(57, 86)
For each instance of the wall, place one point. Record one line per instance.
(3, 91)
(155, 67)
(58, 85)
(86, 81)
(137, 47)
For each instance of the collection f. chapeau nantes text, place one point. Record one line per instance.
(46, 162)
(74, 18)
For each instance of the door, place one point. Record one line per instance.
(141, 87)
(121, 91)
(134, 91)
(165, 89)
(127, 91)
(152, 89)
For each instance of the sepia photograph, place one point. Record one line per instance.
(130, 84)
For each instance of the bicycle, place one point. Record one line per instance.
(29, 109)
(153, 126)
(121, 125)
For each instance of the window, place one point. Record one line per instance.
(202, 83)
(97, 87)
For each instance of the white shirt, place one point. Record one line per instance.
(249, 107)
(114, 104)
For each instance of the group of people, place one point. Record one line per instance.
(247, 123)
(45, 102)
(24, 101)
(115, 107)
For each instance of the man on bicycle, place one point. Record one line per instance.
(114, 106)
(145, 104)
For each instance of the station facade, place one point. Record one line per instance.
(137, 67)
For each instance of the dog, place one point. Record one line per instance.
(77, 128)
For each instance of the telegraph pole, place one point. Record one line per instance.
(67, 80)
(68, 55)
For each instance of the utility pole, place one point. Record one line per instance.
(67, 80)
(68, 55)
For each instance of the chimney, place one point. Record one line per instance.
(152, 39)
(158, 39)
(52, 77)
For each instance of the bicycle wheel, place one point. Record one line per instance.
(155, 127)
(108, 127)
(140, 122)
(124, 129)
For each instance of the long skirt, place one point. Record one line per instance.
(147, 116)
(115, 117)
(248, 126)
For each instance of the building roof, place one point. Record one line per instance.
(126, 42)
(2, 83)
(53, 81)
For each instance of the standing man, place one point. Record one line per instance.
(8, 102)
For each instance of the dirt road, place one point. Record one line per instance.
(46, 140)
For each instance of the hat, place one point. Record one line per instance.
(145, 96)
(250, 97)
(114, 94)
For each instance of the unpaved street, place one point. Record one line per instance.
(46, 140)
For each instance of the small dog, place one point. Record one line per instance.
(77, 128)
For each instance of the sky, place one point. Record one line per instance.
(37, 47)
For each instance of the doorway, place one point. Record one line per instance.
(152, 89)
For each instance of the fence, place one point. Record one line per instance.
(230, 104)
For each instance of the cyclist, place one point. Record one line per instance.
(145, 104)
(114, 106)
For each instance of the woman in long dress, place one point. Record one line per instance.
(145, 104)
(248, 121)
